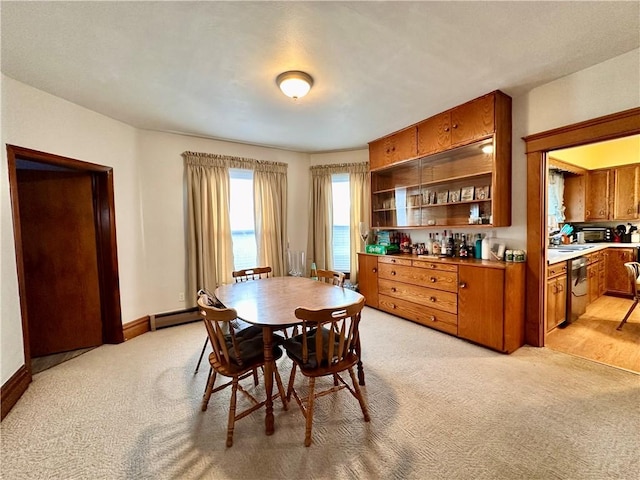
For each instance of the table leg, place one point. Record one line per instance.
(267, 336)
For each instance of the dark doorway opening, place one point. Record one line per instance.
(66, 252)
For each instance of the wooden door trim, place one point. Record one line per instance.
(609, 127)
(104, 207)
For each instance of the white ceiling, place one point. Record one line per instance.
(209, 68)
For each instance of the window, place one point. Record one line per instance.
(341, 226)
(243, 231)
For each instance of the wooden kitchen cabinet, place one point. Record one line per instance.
(617, 279)
(575, 198)
(626, 194)
(491, 305)
(598, 195)
(393, 148)
(465, 149)
(556, 295)
(368, 278)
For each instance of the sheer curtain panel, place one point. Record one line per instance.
(270, 204)
(209, 248)
(360, 192)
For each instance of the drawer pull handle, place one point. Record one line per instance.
(393, 289)
(393, 272)
(393, 305)
(433, 279)
(433, 266)
(374, 270)
(463, 284)
(393, 260)
(432, 318)
(432, 299)
(455, 125)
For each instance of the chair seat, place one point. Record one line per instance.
(293, 346)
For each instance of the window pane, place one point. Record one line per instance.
(341, 226)
(242, 219)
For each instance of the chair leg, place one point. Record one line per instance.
(208, 390)
(356, 387)
(626, 317)
(292, 377)
(309, 412)
(255, 377)
(232, 412)
(283, 397)
(204, 347)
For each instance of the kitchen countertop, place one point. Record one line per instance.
(556, 255)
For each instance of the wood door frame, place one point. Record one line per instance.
(609, 127)
(105, 225)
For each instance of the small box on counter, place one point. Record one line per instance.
(382, 249)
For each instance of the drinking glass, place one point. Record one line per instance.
(296, 263)
(363, 228)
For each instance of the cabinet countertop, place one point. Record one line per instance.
(473, 262)
(556, 255)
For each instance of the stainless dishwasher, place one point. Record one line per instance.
(578, 289)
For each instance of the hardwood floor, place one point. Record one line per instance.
(38, 364)
(594, 335)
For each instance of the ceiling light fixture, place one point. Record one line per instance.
(294, 84)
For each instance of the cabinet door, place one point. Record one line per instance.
(481, 306)
(574, 198)
(368, 278)
(617, 279)
(625, 195)
(473, 120)
(556, 301)
(434, 134)
(598, 195)
(602, 275)
(394, 148)
(593, 279)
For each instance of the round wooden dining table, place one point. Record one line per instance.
(271, 303)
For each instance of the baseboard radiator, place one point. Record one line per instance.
(170, 319)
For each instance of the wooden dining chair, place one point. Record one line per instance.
(236, 356)
(633, 270)
(331, 276)
(327, 346)
(239, 326)
(254, 273)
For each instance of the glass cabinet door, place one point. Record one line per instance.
(451, 188)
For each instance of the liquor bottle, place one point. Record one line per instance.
(463, 252)
(429, 245)
(478, 246)
(451, 246)
(471, 249)
(314, 271)
(436, 245)
(456, 245)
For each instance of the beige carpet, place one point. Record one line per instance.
(441, 408)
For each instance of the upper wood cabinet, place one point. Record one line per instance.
(394, 148)
(626, 186)
(460, 170)
(598, 195)
(464, 124)
(575, 198)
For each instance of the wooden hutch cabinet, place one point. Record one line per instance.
(460, 168)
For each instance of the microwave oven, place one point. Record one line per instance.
(597, 234)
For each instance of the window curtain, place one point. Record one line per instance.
(320, 242)
(270, 206)
(359, 188)
(320, 238)
(209, 244)
(556, 200)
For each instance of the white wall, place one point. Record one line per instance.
(34, 119)
(164, 205)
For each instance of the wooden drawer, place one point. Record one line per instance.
(394, 260)
(445, 267)
(439, 280)
(429, 297)
(556, 269)
(440, 320)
